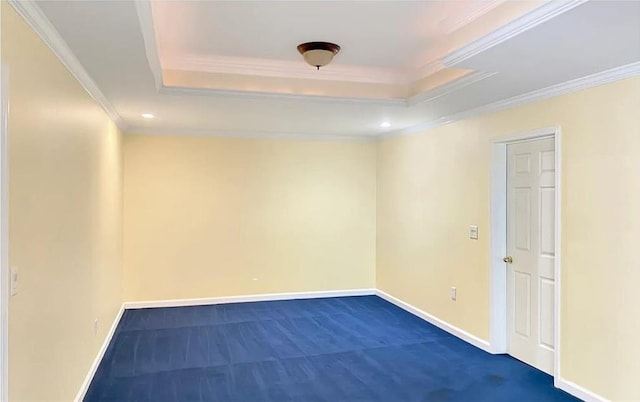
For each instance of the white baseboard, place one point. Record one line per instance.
(567, 386)
(464, 335)
(560, 383)
(578, 391)
(248, 298)
(96, 362)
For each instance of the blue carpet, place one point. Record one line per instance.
(338, 349)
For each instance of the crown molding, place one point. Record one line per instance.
(248, 134)
(167, 90)
(578, 84)
(35, 18)
(477, 10)
(428, 69)
(426, 96)
(449, 87)
(219, 64)
(416, 129)
(519, 25)
(145, 18)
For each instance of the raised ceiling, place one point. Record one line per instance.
(231, 67)
(391, 50)
(393, 43)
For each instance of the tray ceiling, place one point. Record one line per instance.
(231, 68)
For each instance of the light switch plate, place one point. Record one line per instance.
(14, 281)
(473, 232)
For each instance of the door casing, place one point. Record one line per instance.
(498, 269)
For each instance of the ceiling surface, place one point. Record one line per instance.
(232, 68)
(271, 30)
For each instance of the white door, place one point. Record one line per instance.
(530, 248)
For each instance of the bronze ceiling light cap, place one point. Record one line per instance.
(318, 54)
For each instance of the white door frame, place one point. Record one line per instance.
(498, 276)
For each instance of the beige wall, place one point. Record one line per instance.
(65, 220)
(204, 216)
(432, 185)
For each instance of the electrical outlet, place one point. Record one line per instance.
(95, 327)
(473, 232)
(453, 293)
(14, 281)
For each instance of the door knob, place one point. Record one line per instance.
(508, 259)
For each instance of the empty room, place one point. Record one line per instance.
(341, 201)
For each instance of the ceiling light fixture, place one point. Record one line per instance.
(318, 54)
(385, 124)
(147, 116)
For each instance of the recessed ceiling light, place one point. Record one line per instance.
(385, 124)
(147, 116)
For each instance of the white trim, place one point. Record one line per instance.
(419, 127)
(249, 134)
(498, 211)
(498, 249)
(145, 17)
(449, 87)
(219, 64)
(175, 90)
(537, 16)
(248, 298)
(428, 69)
(578, 84)
(453, 330)
(474, 11)
(96, 362)
(426, 96)
(4, 235)
(498, 318)
(578, 391)
(557, 312)
(36, 19)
